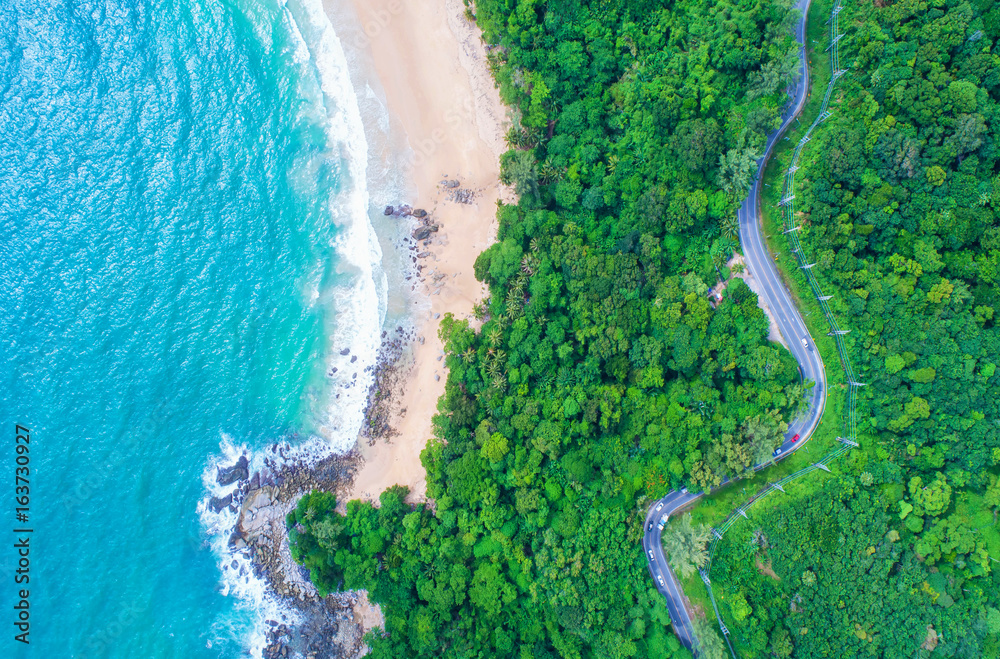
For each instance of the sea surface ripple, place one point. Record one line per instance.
(184, 253)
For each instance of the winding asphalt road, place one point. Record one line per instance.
(761, 264)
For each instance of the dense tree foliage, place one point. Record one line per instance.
(601, 372)
(901, 213)
(837, 573)
(900, 206)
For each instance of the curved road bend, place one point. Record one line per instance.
(792, 328)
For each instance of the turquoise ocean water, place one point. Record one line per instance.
(186, 250)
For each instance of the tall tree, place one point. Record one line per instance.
(685, 545)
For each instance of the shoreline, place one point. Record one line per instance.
(425, 69)
(294, 620)
(438, 88)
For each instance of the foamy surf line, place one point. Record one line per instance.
(357, 308)
(238, 576)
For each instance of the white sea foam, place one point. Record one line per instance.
(237, 576)
(356, 297)
(359, 298)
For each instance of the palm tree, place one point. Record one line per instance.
(736, 168)
(718, 256)
(686, 545)
(731, 227)
(513, 306)
(518, 168)
(479, 310)
(548, 173)
(729, 245)
(528, 264)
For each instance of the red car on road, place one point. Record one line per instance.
(795, 438)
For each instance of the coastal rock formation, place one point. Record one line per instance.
(329, 627)
(238, 472)
(386, 387)
(424, 232)
(237, 541)
(218, 503)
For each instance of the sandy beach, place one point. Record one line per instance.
(432, 66)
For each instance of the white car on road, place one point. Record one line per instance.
(660, 579)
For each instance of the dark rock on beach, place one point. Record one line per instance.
(424, 232)
(388, 210)
(387, 387)
(462, 196)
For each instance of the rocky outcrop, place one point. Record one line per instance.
(238, 472)
(218, 503)
(387, 384)
(424, 232)
(331, 626)
(331, 629)
(236, 541)
(328, 628)
(462, 196)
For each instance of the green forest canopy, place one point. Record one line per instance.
(601, 375)
(900, 211)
